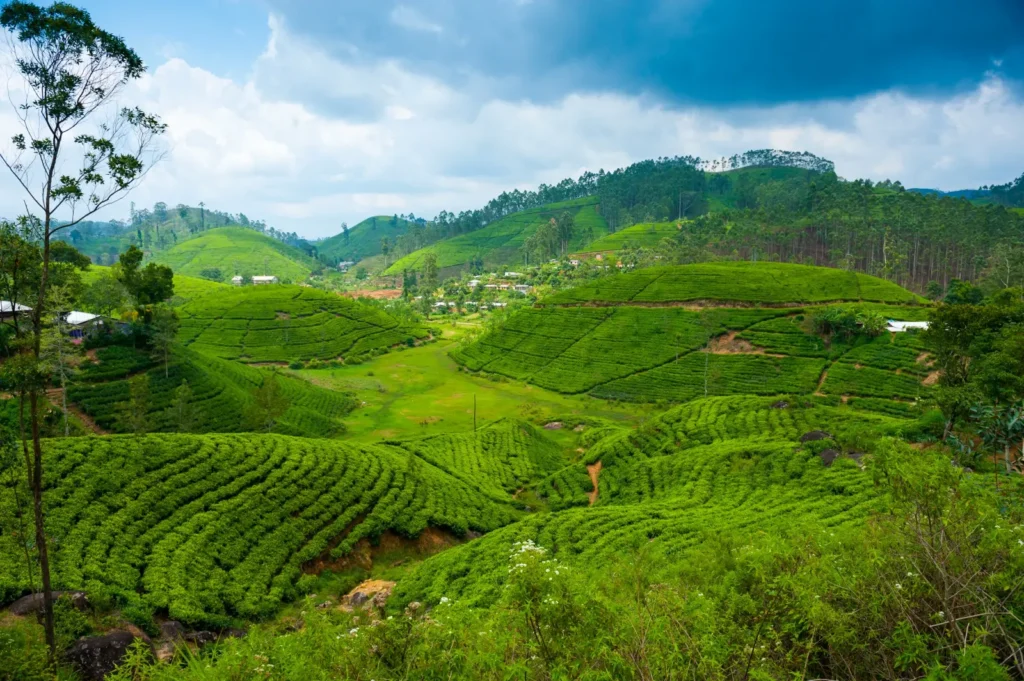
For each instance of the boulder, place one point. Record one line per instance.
(33, 603)
(96, 656)
(815, 435)
(201, 638)
(554, 425)
(171, 630)
(828, 456)
(781, 404)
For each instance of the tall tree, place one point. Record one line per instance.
(183, 410)
(73, 72)
(268, 406)
(164, 329)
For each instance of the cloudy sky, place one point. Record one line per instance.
(307, 113)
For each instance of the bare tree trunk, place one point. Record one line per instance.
(37, 507)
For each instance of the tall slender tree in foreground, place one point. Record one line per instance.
(77, 153)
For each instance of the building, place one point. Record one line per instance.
(523, 288)
(9, 309)
(82, 324)
(473, 283)
(236, 280)
(900, 327)
(344, 266)
(512, 275)
(269, 279)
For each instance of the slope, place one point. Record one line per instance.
(222, 393)
(647, 235)
(643, 337)
(206, 527)
(284, 323)
(501, 242)
(363, 240)
(236, 250)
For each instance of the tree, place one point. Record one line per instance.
(385, 248)
(212, 273)
(565, 226)
(429, 273)
(164, 329)
(105, 294)
(132, 414)
(73, 73)
(182, 409)
(344, 232)
(58, 352)
(147, 285)
(268, 406)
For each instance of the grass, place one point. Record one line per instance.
(420, 391)
(739, 282)
(501, 241)
(237, 250)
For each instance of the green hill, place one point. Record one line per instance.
(236, 250)
(284, 323)
(640, 336)
(222, 393)
(363, 240)
(501, 242)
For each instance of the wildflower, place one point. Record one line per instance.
(898, 586)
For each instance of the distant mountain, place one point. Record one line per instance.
(969, 194)
(236, 250)
(364, 240)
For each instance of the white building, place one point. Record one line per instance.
(473, 283)
(523, 288)
(513, 275)
(900, 327)
(236, 280)
(269, 279)
(9, 309)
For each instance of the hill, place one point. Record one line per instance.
(502, 241)
(640, 336)
(283, 323)
(222, 394)
(209, 527)
(647, 235)
(364, 240)
(236, 251)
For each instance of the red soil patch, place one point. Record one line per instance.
(595, 471)
(378, 294)
(93, 355)
(931, 379)
(429, 541)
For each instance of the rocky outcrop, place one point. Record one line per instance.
(815, 435)
(94, 657)
(33, 603)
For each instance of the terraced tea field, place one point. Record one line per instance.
(643, 235)
(284, 323)
(709, 467)
(237, 250)
(209, 527)
(222, 393)
(640, 337)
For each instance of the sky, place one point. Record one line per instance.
(310, 113)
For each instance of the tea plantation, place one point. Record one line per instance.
(698, 470)
(222, 393)
(645, 235)
(500, 241)
(284, 323)
(213, 526)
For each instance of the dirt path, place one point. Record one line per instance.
(55, 396)
(594, 470)
(821, 381)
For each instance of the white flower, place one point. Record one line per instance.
(898, 586)
(444, 599)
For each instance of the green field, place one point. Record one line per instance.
(420, 391)
(363, 240)
(222, 393)
(501, 242)
(237, 250)
(740, 282)
(279, 323)
(646, 235)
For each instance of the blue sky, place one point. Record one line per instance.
(308, 113)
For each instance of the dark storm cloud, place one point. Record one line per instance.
(720, 52)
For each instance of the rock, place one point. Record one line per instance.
(171, 630)
(231, 632)
(201, 638)
(828, 456)
(579, 429)
(375, 591)
(33, 603)
(358, 598)
(554, 425)
(815, 435)
(781, 404)
(96, 656)
(323, 606)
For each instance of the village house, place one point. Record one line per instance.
(9, 309)
(236, 280)
(344, 266)
(82, 324)
(523, 288)
(900, 327)
(260, 279)
(513, 275)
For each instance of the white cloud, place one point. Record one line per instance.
(309, 141)
(410, 18)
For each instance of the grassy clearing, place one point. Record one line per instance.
(420, 391)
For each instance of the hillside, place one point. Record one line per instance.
(646, 235)
(502, 241)
(284, 323)
(236, 250)
(364, 239)
(639, 337)
(222, 394)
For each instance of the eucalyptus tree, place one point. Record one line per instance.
(77, 153)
